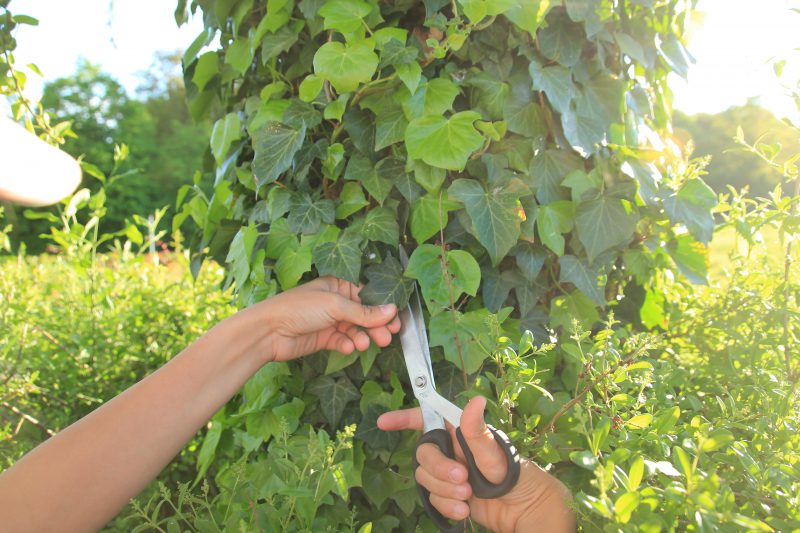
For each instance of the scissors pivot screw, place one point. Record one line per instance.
(420, 381)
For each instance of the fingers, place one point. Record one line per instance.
(489, 456)
(365, 316)
(400, 420)
(445, 479)
(450, 508)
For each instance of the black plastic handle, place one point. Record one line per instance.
(482, 487)
(440, 438)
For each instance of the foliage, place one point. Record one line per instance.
(78, 327)
(519, 150)
(712, 135)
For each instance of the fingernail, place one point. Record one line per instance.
(455, 474)
(462, 491)
(387, 309)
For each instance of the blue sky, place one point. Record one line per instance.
(732, 41)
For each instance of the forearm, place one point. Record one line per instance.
(82, 477)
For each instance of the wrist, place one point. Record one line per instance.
(250, 333)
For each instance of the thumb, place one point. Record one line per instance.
(489, 457)
(366, 316)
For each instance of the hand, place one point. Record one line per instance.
(325, 314)
(538, 502)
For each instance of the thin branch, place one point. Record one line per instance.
(28, 418)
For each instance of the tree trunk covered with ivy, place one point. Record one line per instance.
(519, 150)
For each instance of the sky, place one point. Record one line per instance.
(732, 41)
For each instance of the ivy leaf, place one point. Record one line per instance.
(530, 259)
(394, 169)
(239, 55)
(556, 82)
(352, 200)
(291, 265)
(561, 41)
(583, 132)
(529, 15)
(226, 131)
(469, 328)
(345, 66)
(341, 258)
(301, 114)
(387, 284)
(590, 281)
(396, 53)
(548, 170)
(380, 224)
(492, 93)
(425, 265)
(554, 220)
(427, 219)
(275, 146)
(525, 119)
(345, 16)
(444, 143)
(410, 74)
(574, 306)
(604, 223)
(390, 126)
(276, 43)
(494, 216)
(306, 215)
(434, 97)
(333, 396)
(360, 168)
(691, 206)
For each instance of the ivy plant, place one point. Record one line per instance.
(520, 151)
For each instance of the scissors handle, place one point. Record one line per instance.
(481, 487)
(441, 438)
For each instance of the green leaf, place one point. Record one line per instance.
(434, 97)
(410, 74)
(380, 224)
(556, 82)
(575, 306)
(306, 215)
(352, 200)
(444, 143)
(583, 132)
(280, 238)
(626, 505)
(528, 15)
(341, 259)
(675, 55)
(431, 178)
(394, 170)
(554, 220)
(425, 265)
(335, 109)
(636, 473)
(239, 55)
(691, 257)
(490, 93)
(692, 206)
(345, 66)
(387, 284)
(494, 215)
(390, 126)
(310, 87)
(548, 170)
(345, 16)
(470, 329)
(716, 440)
(561, 41)
(360, 168)
(603, 224)
(429, 216)
(525, 119)
(589, 280)
(640, 421)
(291, 265)
(275, 146)
(206, 68)
(226, 131)
(273, 44)
(333, 396)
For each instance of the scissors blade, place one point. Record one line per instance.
(416, 351)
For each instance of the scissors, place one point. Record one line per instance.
(436, 410)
